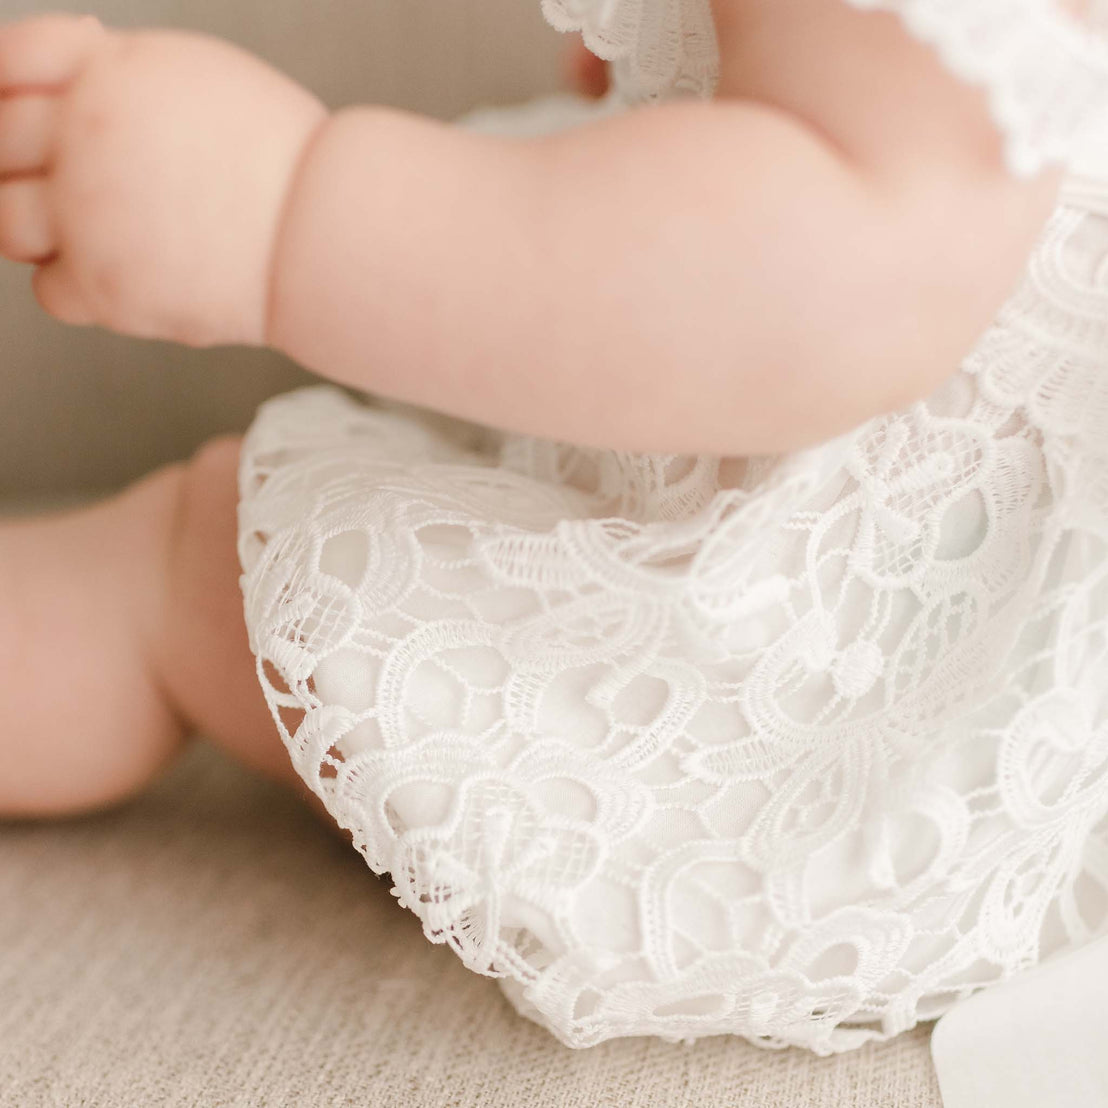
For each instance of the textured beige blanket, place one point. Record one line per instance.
(212, 945)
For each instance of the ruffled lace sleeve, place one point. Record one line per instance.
(1044, 63)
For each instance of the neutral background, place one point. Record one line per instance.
(85, 410)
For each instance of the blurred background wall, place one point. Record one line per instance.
(85, 410)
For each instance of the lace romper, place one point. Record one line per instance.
(800, 748)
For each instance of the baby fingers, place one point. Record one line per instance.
(27, 128)
(43, 54)
(26, 234)
(58, 293)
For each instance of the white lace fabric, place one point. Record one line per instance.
(803, 749)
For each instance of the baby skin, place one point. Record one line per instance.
(748, 268)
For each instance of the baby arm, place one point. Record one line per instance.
(745, 275)
(732, 276)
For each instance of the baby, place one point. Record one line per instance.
(821, 241)
(169, 186)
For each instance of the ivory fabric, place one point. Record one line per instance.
(213, 945)
(805, 749)
(1032, 1042)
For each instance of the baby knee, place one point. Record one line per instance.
(201, 561)
(206, 504)
(213, 469)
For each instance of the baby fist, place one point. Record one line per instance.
(144, 175)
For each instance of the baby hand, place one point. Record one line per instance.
(144, 175)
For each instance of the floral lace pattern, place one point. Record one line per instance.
(1043, 62)
(803, 749)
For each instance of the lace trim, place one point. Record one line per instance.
(1045, 71)
(658, 47)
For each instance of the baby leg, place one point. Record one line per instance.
(121, 634)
